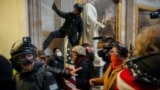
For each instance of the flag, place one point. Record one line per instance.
(70, 84)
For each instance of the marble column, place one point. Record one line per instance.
(129, 21)
(34, 12)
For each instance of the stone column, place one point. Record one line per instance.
(129, 21)
(34, 13)
(123, 28)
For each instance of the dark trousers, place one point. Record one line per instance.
(52, 35)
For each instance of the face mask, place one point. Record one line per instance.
(59, 54)
(115, 61)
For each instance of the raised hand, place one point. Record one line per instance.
(91, 82)
(74, 71)
(101, 25)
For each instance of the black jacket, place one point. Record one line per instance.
(84, 75)
(149, 64)
(57, 62)
(41, 78)
(6, 82)
(72, 26)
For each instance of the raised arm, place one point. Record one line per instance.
(60, 13)
(64, 72)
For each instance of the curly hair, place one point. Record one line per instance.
(148, 41)
(122, 50)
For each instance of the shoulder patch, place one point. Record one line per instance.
(53, 87)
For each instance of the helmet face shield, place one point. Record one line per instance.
(24, 58)
(22, 52)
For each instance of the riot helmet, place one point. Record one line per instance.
(22, 53)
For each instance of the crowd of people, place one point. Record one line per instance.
(122, 71)
(35, 70)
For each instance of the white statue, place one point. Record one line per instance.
(91, 25)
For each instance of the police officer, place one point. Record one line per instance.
(32, 74)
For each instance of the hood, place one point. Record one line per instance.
(150, 64)
(145, 69)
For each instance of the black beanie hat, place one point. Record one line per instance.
(79, 7)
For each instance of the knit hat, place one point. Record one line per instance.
(79, 7)
(80, 50)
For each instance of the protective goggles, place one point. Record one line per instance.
(24, 58)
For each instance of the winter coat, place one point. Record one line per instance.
(141, 73)
(57, 62)
(72, 26)
(6, 82)
(109, 78)
(84, 75)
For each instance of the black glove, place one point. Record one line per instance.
(54, 7)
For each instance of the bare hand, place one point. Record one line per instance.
(92, 82)
(101, 25)
(74, 71)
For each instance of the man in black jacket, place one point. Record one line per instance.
(73, 26)
(57, 61)
(31, 74)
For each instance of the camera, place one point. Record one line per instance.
(109, 41)
(155, 14)
(105, 39)
(26, 39)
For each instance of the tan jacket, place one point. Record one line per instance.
(109, 77)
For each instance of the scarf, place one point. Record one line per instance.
(115, 61)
